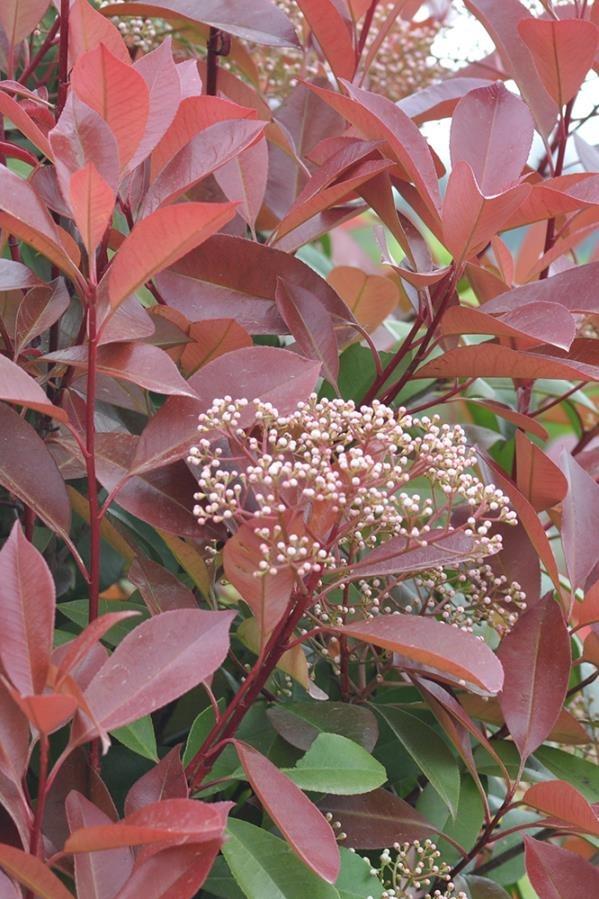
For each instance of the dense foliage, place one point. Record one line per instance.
(299, 450)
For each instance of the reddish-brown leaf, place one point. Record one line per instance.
(556, 873)
(377, 819)
(400, 555)
(371, 298)
(81, 137)
(160, 240)
(561, 802)
(92, 202)
(159, 71)
(438, 100)
(243, 180)
(98, 875)
(211, 339)
(32, 873)
(174, 873)
(168, 821)
(157, 662)
(332, 32)
(166, 780)
(16, 276)
(88, 29)
(27, 600)
(39, 483)
(533, 324)
(311, 324)
(303, 825)
(17, 387)
(580, 522)
(563, 51)
(160, 589)
(46, 712)
(432, 643)
(576, 289)
(536, 662)
(23, 121)
(491, 130)
(75, 651)
(39, 309)
(538, 478)
(116, 92)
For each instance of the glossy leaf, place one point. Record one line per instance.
(88, 29)
(301, 723)
(311, 325)
(538, 478)
(334, 764)
(159, 240)
(98, 875)
(332, 33)
(159, 71)
(562, 803)
(16, 386)
(177, 872)
(156, 663)
(377, 819)
(92, 202)
(536, 662)
(165, 781)
(160, 589)
(304, 827)
(27, 599)
(580, 527)
(211, 339)
(556, 873)
(32, 873)
(139, 737)
(432, 643)
(563, 51)
(399, 555)
(26, 125)
(371, 298)
(243, 180)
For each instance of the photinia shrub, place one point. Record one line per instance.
(299, 450)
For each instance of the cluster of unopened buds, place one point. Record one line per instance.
(329, 482)
(139, 33)
(410, 869)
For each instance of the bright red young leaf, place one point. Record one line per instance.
(491, 130)
(576, 289)
(18, 18)
(159, 71)
(534, 324)
(243, 180)
(332, 32)
(27, 599)
(580, 522)
(562, 803)
(377, 819)
(116, 92)
(88, 29)
(98, 875)
(174, 873)
(46, 712)
(311, 325)
(157, 662)
(21, 120)
(38, 484)
(304, 827)
(538, 478)
(160, 240)
(556, 873)
(211, 339)
(166, 780)
(81, 137)
(252, 20)
(563, 51)
(76, 650)
(268, 595)
(92, 202)
(432, 643)
(14, 738)
(536, 662)
(167, 821)
(32, 873)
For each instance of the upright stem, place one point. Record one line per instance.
(564, 129)
(90, 458)
(212, 62)
(63, 56)
(36, 845)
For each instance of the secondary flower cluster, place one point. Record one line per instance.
(409, 869)
(329, 482)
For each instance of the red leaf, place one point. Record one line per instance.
(143, 364)
(116, 92)
(564, 804)
(168, 821)
(159, 71)
(580, 524)
(47, 712)
(32, 873)
(378, 118)
(576, 289)
(75, 651)
(14, 738)
(243, 180)
(268, 595)
(563, 51)
(371, 298)
(39, 484)
(471, 219)
(273, 375)
(536, 661)
(211, 339)
(237, 278)
(166, 780)
(160, 240)
(491, 130)
(27, 600)
(160, 589)
(81, 137)
(21, 120)
(432, 643)
(17, 387)
(19, 17)
(538, 478)
(438, 101)
(377, 819)
(311, 325)
(98, 875)
(157, 662)
(211, 148)
(332, 32)
(174, 873)
(92, 202)
(88, 29)
(534, 323)
(16, 276)
(556, 873)
(252, 20)
(304, 827)
(501, 21)
(39, 309)
(400, 556)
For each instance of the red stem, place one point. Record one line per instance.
(564, 128)
(35, 61)
(90, 458)
(63, 56)
(36, 843)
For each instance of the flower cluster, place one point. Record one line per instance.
(329, 482)
(411, 868)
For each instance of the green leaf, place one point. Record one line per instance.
(356, 373)
(301, 722)
(334, 764)
(199, 730)
(355, 880)
(576, 771)
(266, 868)
(220, 883)
(428, 750)
(139, 737)
(77, 610)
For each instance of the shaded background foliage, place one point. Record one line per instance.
(265, 201)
